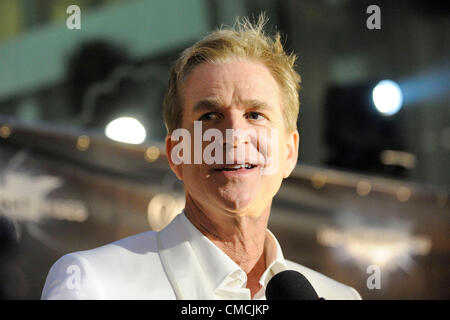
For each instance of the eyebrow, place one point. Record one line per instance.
(206, 105)
(209, 104)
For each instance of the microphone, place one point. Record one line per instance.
(290, 285)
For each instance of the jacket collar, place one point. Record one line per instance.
(182, 266)
(195, 266)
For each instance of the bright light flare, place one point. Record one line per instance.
(163, 208)
(126, 130)
(387, 97)
(384, 247)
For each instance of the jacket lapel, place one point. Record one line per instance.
(181, 265)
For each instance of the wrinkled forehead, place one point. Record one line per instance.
(227, 83)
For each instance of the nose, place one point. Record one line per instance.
(236, 138)
(234, 129)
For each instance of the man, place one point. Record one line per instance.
(239, 86)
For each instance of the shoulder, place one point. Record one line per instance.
(139, 244)
(325, 287)
(121, 269)
(127, 249)
(67, 276)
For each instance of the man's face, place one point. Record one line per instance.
(242, 100)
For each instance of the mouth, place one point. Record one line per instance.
(235, 167)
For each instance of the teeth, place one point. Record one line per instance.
(238, 166)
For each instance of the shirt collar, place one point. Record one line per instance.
(275, 262)
(220, 270)
(215, 263)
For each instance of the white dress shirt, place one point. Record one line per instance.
(178, 262)
(228, 280)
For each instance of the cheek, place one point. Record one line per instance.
(192, 172)
(273, 172)
(269, 186)
(271, 148)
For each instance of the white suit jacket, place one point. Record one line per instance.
(153, 265)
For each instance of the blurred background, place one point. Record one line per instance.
(81, 134)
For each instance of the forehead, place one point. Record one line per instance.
(230, 82)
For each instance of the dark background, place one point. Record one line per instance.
(343, 209)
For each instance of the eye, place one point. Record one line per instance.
(209, 116)
(255, 116)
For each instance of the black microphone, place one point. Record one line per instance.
(290, 285)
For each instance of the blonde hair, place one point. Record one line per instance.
(244, 41)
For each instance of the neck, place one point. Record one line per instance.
(240, 236)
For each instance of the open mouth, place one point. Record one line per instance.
(235, 167)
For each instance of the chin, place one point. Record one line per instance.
(235, 201)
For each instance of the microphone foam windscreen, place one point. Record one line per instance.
(290, 285)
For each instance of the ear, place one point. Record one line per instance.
(291, 155)
(176, 168)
